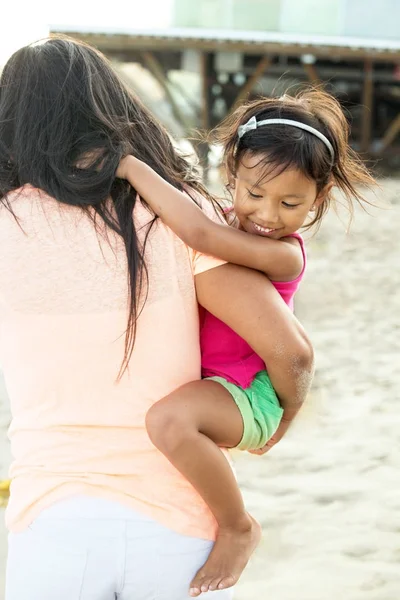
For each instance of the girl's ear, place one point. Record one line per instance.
(322, 196)
(231, 183)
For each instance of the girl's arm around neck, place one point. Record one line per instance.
(280, 260)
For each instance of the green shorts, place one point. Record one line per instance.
(259, 407)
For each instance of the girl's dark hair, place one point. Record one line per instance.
(62, 105)
(284, 146)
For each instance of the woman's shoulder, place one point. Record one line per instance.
(26, 191)
(26, 195)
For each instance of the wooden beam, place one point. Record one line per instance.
(151, 62)
(205, 105)
(260, 69)
(311, 72)
(367, 102)
(117, 43)
(390, 134)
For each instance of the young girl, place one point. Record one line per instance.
(283, 157)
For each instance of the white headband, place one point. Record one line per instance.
(253, 124)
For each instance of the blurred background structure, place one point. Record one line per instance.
(218, 53)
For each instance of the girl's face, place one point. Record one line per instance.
(276, 205)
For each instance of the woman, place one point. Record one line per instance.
(99, 320)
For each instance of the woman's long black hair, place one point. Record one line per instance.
(62, 106)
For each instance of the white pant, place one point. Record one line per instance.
(90, 549)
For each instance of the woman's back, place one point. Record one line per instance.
(71, 272)
(63, 307)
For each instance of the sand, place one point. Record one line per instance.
(328, 496)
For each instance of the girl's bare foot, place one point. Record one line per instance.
(228, 558)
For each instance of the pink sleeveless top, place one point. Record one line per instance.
(224, 353)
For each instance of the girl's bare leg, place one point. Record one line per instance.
(187, 427)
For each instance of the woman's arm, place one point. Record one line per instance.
(249, 304)
(280, 260)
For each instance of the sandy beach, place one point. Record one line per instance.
(328, 496)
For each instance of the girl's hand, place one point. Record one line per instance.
(278, 435)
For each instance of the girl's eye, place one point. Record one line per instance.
(286, 205)
(256, 196)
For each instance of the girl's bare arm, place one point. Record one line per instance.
(249, 304)
(280, 260)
